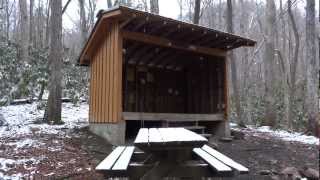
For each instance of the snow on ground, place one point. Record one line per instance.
(23, 137)
(21, 119)
(282, 134)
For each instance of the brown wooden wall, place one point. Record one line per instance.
(106, 78)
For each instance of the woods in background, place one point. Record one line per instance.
(276, 83)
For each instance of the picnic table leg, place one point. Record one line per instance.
(160, 170)
(165, 164)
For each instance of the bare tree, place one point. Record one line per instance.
(270, 112)
(293, 66)
(109, 3)
(83, 22)
(40, 25)
(8, 11)
(180, 3)
(91, 13)
(220, 15)
(47, 30)
(196, 14)
(53, 110)
(154, 6)
(234, 66)
(23, 30)
(31, 24)
(312, 71)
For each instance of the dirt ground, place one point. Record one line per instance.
(81, 151)
(261, 154)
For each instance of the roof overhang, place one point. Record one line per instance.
(151, 28)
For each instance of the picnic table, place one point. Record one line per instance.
(168, 152)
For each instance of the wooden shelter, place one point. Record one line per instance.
(149, 70)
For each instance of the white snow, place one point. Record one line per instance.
(290, 136)
(20, 119)
(282, 134)
(11, 177)
(5, 162)
(25, 143)
(21, 128)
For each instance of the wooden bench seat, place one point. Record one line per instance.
(118, 159)
(218, 161)
(226, 160)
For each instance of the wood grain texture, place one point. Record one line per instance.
(106, 79)
(171, 116)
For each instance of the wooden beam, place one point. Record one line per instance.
(132, 48)
(221, 43)
(149, 39)
(147, 58)
(171, 116)
(197, 37)
(158, 59)
(169, 60)
(126, 22)
(207, 40)
(139, 53)
(158, 27)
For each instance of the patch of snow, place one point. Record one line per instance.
(25, 143)
(50, 174)
(288, 136)
(5, 162)
(282, 134)
(20, 119)
(233, 124)
(21, 114)
(54, 149)
(11, 177)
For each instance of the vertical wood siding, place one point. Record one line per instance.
(106, 78)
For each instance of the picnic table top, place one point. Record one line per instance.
(154, 138)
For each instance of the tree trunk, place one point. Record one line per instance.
(270, 112)
(312, 71)
(23, 30)
(31, 24)
(220, 15)
(40, 26)
(83, 22)
(109, 3)
(7, 21)
(154, 6)
(293, 66)
(53, 110)
(243, 91)
(196, 14)
(47, 31)
(42, 88)
(234, 67)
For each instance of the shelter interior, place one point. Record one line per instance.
(173, 82)
(166, 80)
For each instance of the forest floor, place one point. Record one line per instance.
(40, 151)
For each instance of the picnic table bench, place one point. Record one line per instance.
(168, 152)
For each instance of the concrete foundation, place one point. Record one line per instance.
(220, 129)
(113, 133)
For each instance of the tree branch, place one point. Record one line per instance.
(65, 6)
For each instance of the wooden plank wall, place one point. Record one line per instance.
(106, 78)
(197, 89)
